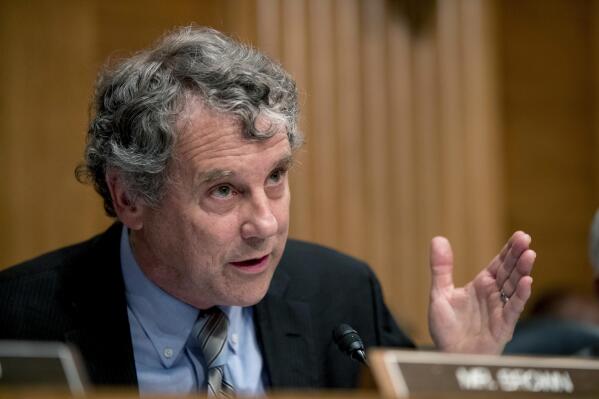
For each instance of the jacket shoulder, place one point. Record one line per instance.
(35, 295)
(317, 258)
(51, 262)
(339, 288)
(45, 263)
(314, 268)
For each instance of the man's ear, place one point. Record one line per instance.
(127, 208)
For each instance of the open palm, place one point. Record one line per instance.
(479, 317)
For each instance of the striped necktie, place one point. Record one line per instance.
(212, 337)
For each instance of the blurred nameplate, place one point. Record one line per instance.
(402, 373)
(40, 364)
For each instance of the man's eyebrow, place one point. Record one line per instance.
(214, 175)
(285, 162)
(218, 174)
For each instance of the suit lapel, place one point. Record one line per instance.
(97, 295)
(285, 333)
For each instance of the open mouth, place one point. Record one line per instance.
(250, 262)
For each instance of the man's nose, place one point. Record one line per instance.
(260, 221)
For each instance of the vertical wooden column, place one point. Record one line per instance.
(548, 69)
(407, 270)
(375, 134)
(595, 81)
(47, 53)
(348, 113)
(323, 151)
(453, 180)
(483, 144)
(425, 92)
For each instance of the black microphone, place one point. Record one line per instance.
(350, 343)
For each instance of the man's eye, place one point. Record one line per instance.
(276, 176)
(223, 191)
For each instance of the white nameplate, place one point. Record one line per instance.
(403, 373)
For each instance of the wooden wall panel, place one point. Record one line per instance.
(348, 113)
(408, 273)
(547, 74)
(46, 82)
(594, 31)
(322, 149)
(375, 132)
(594, 13)
(483, 198)
(452, 120)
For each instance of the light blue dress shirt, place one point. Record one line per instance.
(167, 359)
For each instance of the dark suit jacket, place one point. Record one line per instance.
(76, 295)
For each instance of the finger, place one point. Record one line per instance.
(520, 243)
(523, 268)
(515, 305)
(441, 262)
(505, 251)
(508, 245)
(500, 258)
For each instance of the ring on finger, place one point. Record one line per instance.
(504, 298)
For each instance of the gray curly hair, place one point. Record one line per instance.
(138, 102)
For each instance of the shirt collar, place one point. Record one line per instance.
(236, 316)
(166, 320)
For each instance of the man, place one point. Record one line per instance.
(197, 284)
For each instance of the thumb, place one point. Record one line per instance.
(441, 260)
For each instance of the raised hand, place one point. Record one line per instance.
(479, 317)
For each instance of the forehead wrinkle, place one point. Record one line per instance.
(204, 140)
(206, 133)
(226, 143)
(201, 126)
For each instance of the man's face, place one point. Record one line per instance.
(220, 231)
